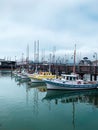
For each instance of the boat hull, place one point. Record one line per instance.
(37, 84)
(36, 81)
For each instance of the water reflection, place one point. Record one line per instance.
(5, 73)
(33, 98)
(89, 96)
(67, 97)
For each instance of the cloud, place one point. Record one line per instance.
(54, 23)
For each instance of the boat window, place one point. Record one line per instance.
(70, 78)
(74, 78)
(66, 78)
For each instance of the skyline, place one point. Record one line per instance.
(60, 24)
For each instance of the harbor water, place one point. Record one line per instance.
(24, 106)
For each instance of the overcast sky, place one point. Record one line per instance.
(56, 24)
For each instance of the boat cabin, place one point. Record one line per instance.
(72, 77)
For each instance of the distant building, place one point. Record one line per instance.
(95, 63)
(2, 59)
(85, 61)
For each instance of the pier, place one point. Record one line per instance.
(55, 68)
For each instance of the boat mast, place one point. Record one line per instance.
(27, 59)
(50, 63)
(74, 67)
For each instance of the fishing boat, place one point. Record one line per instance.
(22, 76)
(38, 77)
(70, 82)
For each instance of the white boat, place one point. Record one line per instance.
(22, 77)
(25, 78)
(70, 82)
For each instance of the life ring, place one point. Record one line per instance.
(79, 82)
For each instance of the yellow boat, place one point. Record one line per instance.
(38, 77)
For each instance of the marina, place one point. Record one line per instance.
(48, 65)
(23, 106)
(29, 98)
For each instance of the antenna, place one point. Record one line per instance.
(53, 58)
(38, 50)
(34, 51)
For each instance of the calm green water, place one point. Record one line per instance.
(23, 107)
